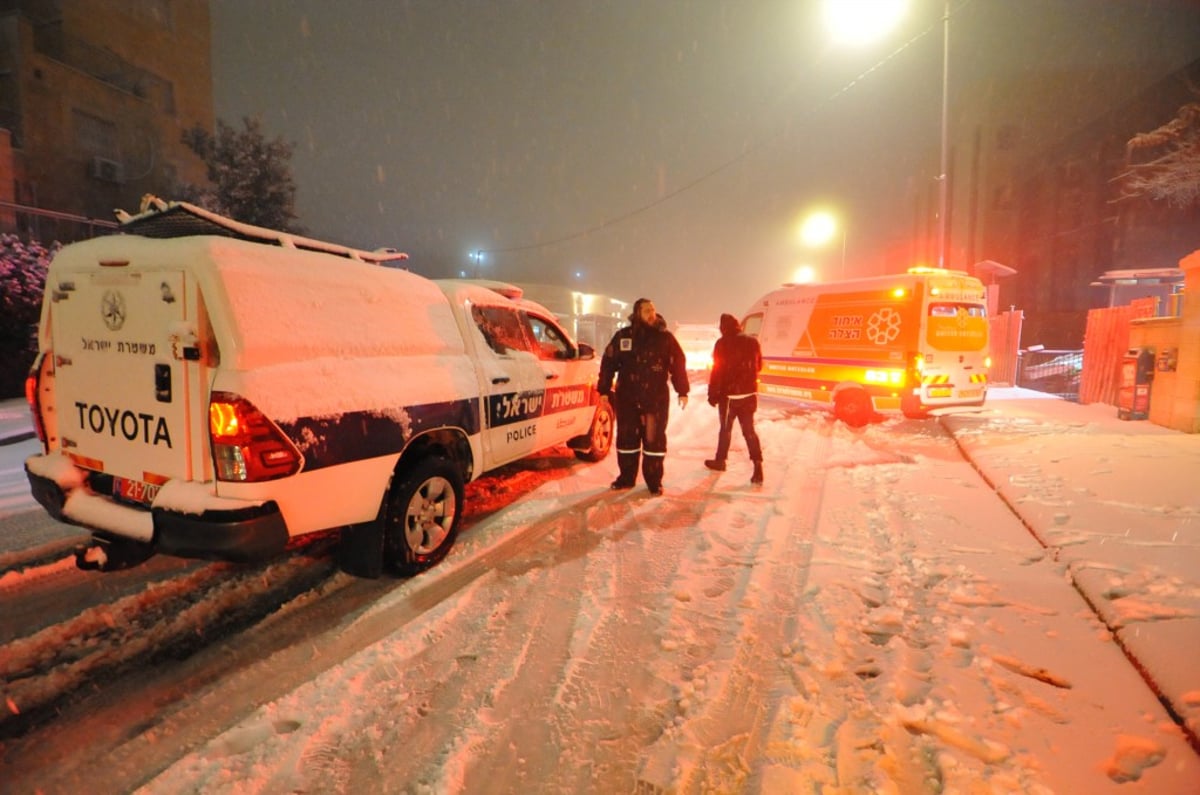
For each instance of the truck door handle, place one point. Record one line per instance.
(502, 379)
(162, 383)
(551, 376)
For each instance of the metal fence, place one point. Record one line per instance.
(49, 226)
(1055, 372)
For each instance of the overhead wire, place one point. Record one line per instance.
(745, 153)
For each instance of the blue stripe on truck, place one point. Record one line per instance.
(358, 435)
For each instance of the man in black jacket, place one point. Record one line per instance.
(733, 389)
(642, 357)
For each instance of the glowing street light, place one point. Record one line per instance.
(805, 274)
(858, 22)
(820, 228)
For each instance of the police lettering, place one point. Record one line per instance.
(564, 399)
(139, 348)
(517, 434)
(518, 406)
(134, 427)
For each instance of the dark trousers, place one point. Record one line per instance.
(742, 411)
(641, 437)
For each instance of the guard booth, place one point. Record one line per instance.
(1137, 373)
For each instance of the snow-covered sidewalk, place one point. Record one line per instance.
(1117, 505)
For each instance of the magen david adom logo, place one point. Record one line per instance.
(883, 326)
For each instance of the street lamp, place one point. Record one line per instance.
(943, 180)
(819, 228)
(805, 274)
(857, 22)
(477, 259)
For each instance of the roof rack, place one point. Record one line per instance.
(162, 219)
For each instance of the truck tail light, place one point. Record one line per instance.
(33, 382)
(915, 371)
(248, 447)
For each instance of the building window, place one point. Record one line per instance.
(95, 135)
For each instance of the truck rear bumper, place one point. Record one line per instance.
(243, 533)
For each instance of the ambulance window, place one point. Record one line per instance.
(501, 327)
(752, 325)
(550, 342)
(952, 310)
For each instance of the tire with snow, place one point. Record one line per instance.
(600, 434)
(853, 407)
(911, 408)
(421, 515)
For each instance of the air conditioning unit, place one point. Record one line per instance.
(107, 170)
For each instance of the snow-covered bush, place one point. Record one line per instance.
(22, 279)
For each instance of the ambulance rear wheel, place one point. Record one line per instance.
(910, 407)
(421, 515)
(600, 434)
(853, 407)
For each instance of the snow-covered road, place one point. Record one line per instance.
(874, 618)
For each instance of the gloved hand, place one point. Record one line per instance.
(714, 400)
(683, 401)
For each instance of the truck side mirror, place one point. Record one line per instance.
(586, 351)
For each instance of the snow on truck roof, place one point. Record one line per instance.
(272, 305)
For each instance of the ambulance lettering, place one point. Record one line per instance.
(114, 421)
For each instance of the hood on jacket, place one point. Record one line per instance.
(730, 325)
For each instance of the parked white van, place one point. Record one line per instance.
(210, 389)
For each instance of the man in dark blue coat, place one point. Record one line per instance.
(733, 389)
(642, 357)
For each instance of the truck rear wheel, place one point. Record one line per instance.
(421, 515)
(600, 434)
(853, 407)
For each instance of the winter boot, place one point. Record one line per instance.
(757, 477)
(715, 464)
(627, 466)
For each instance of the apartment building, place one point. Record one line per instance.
(94, 98)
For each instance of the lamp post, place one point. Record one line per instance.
(943, 179)
(477, 258)
(857, 21)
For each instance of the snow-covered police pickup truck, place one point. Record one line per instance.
(209, 389)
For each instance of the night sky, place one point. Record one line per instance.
(644, 147)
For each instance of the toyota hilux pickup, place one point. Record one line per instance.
(209, 389)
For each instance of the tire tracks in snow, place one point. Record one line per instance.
(723, 721)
